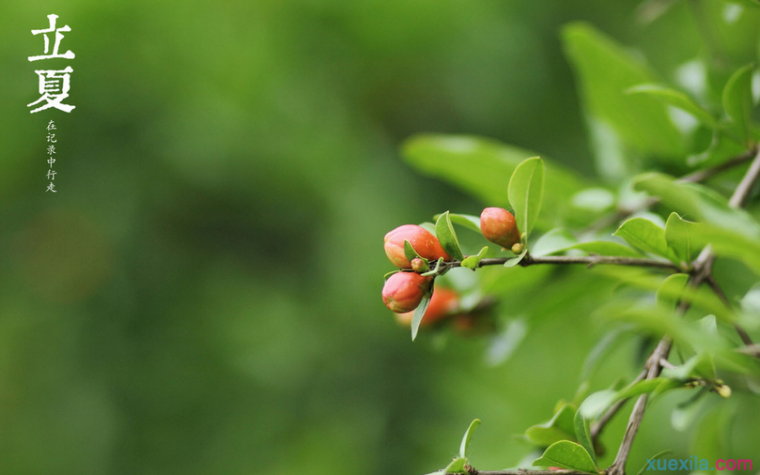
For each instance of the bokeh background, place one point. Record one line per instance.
(202, 295)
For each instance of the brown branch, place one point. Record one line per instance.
(529, 260)
(522, 471)
(701, 273)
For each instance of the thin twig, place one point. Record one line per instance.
(598, 427)
(529, 260)
(522, 471)
(746, 339)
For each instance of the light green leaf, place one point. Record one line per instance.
(677, 231)
(600, 351)
(516, 260)
(464, 447)
(419, 312)
(606, 248)
(445, 233)
(553, 241)
(676, 99)
(583, 434)
(481, 167)
(526, 191)
(456, 466)
(737, 99)
(645, 235)
(568, 455)
(605, 70)
(672, 290)
(596, 403)
(472, 262)
(728, 243)
(560, 427)
(653, 457)
(468, 221)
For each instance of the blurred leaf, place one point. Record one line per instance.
(516, 260)
(727, 243)
(746, 3)
(677, 234)
(672, 290)
(653, 457)
(594, 199)
(603, 248)
(676, 99)
(560, 427)
(596, 403)
(503, 345)
(605, 71)
(737, 99)
(472, 262)
(526, 192)
(419, 312)
(468, 221)
(696, 202)
(711, 438)
(385, 277)
(583, 434)
(553, 241)
(645, 235)
(569, 455)
(481, 167)
(600, 350)
(464, 447)
(445, 233)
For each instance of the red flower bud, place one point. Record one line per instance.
(499, 226)
(403, 291)
(442, 304)
(424, 243)
(418, 265)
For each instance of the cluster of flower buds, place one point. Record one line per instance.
(403, 291)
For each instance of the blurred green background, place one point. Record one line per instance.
(203, 293)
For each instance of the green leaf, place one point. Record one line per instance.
(481, 167)
(445, 233)
(435, 269)
(583, 434)
(385, 277)
(419, 312)
(568, 455)
(516, 260)
(456, 466)
(677, 234)
(553, 241)
(596, 403)
(737, 99)
(472, 262)
(464, 447)
(600, 350)
(409, 251)
(468, 221)
(672, 290)
(728, 243)
(560, 427)
(645, 235)
(676, 99)
(526, 191)
(653, 457)
(605, 70)
(606, 248)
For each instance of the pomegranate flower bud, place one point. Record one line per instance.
(499, 226)
(424, 243)
(403, 291)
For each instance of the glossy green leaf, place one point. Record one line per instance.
(468, 221)
(677, 235)
(677, 99)
(583, 434)
(464, 447)
(645, 235)
(472, 262)
(605, 70)
(419, 312)
(560, 427)
(568, 455)
(737, 99)
(482, 167)
(445, 233)
(526, 192)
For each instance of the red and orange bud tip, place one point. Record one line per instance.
(443, 303)
(418, 265)
(424, 243)
(403, 291)
(499, 226)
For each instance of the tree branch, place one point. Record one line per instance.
(523, 471)
(529, 260)
(702, 272)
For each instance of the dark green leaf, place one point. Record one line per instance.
(464, 447)
(677, 99)
(560, 427)
(526, 193)
(409, 251)
(419, 312)
(645, 235)
(445, 233)
(568, 455)
(583, 434)
(737, 99)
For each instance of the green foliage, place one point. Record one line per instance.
(526, 192)
(445, 233)
(737, 100)
(567, 455)
(645, 235)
